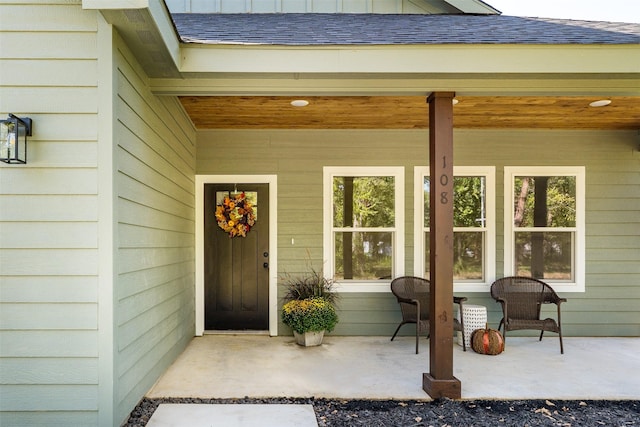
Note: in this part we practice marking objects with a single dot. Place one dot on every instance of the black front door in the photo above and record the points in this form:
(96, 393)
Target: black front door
(236, 269)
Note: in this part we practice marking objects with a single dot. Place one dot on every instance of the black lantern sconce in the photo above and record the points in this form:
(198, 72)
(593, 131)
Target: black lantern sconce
(13, 139)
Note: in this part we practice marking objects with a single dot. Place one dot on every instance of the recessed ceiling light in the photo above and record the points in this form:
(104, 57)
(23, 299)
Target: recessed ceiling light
(300, 103)
(600, 103)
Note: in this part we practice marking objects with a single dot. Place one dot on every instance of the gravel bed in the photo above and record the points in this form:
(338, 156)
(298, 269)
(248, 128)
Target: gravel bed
(438, 413)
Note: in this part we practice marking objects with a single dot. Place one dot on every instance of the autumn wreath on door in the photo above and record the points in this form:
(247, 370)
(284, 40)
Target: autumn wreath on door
(236, 215)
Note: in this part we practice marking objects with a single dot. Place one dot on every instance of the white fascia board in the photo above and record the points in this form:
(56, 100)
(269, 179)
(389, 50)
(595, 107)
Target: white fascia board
(162, 18)
(581, 59)
(115, 4)
(604, 85)
(473, 6)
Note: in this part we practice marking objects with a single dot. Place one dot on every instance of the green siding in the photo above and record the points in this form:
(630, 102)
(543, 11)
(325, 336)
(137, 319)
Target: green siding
(155, 210)
(607, 308)
(48, 218)
(73, 418)
(55, 364)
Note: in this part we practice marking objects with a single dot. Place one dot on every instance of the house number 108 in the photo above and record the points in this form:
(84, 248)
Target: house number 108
(444, 180)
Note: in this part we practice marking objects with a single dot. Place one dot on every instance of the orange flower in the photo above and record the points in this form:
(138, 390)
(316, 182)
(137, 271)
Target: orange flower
(235, 215)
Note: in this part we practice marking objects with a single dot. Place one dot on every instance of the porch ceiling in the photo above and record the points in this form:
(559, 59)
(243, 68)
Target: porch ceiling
(410, 112)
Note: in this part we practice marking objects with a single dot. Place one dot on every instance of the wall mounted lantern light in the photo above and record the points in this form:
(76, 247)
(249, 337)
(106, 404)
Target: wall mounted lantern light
(13, 139)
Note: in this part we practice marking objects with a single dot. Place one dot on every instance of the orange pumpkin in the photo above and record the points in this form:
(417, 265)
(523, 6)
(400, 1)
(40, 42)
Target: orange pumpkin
(487, 341)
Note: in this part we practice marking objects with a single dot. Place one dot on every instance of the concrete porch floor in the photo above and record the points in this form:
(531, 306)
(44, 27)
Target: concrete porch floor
(235, 366)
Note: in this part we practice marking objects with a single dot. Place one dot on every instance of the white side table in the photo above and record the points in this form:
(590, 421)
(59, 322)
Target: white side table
(475, 317)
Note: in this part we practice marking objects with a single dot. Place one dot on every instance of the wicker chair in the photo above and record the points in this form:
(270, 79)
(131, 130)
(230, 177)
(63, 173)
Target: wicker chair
(521, 299)
(413, 295)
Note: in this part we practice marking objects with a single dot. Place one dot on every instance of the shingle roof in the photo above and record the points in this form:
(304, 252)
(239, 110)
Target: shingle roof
(302, 29)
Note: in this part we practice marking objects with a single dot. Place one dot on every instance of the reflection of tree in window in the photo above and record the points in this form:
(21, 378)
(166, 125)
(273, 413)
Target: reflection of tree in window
(544, 203)
(361, 206)
(469, 218)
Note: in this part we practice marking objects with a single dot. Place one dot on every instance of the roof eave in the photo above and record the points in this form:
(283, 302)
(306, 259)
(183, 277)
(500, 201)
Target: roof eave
(147, 28)
(474, 7)
(398, 59)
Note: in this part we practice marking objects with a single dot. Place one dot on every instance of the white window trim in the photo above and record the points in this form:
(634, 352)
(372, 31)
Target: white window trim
(329, 172)
(489, 172)
(579, 256)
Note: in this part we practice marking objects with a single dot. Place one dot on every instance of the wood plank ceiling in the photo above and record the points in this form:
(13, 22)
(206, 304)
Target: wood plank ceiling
(409, 112)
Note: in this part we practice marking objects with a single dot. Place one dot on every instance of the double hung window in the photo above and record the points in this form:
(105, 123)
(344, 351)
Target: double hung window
(544, 225)
(473, 226)
(363, 220)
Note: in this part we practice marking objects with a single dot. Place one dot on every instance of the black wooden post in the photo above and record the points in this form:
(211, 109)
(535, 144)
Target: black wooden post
(440, 382)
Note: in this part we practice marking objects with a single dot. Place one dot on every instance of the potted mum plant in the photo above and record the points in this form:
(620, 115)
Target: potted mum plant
(309, 307)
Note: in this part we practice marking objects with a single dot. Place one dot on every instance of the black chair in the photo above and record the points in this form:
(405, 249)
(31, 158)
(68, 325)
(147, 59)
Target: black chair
(521, 299)
(413, 295)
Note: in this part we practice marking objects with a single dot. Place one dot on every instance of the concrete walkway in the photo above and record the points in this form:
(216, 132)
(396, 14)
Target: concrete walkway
(235, 366)
(201, 415)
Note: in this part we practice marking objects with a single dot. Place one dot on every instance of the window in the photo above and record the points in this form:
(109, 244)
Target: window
(544, 225)
(363, 226)
(473, 228)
